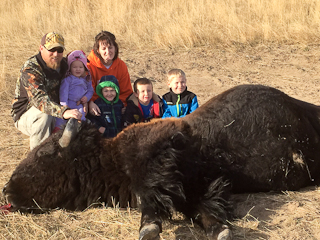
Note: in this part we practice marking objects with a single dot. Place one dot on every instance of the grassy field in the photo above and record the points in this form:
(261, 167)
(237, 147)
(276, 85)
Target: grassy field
(150, 24)
(166, 23)
(219, 44)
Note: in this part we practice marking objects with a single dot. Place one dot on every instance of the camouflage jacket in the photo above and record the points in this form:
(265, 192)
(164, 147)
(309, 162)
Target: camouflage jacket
(38, 86)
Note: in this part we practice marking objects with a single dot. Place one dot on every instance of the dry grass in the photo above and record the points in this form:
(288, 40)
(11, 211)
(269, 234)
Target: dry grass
(163, 23)
(219, 44)
(152, 24)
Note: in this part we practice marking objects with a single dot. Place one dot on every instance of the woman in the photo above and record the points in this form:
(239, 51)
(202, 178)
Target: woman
(103, 60)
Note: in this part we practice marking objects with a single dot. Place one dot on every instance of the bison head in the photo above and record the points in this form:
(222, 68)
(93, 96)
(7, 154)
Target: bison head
(52, 174)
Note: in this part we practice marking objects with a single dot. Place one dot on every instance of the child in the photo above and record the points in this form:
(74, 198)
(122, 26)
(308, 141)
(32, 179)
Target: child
(109, 122)
(76, 88)
(179, 101)
(143, 104)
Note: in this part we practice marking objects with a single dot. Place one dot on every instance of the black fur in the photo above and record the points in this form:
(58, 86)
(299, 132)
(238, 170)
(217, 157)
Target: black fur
(247, 139)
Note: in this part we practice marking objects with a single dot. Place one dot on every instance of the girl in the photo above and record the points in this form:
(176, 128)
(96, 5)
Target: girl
(76, 88)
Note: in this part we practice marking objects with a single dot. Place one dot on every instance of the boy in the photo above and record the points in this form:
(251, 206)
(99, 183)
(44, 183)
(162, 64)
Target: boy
(143, 104)
(179, 101)
(109, 122)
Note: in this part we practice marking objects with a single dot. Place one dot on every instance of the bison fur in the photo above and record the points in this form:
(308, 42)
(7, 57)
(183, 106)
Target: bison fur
(249, 138)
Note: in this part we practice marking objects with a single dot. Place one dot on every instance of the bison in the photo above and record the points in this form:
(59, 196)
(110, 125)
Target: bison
(247, 139)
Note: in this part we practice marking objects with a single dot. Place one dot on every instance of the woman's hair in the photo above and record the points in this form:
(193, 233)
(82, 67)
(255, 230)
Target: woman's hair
(110, 38)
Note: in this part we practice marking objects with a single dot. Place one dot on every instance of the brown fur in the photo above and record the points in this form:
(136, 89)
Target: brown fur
(246, 139)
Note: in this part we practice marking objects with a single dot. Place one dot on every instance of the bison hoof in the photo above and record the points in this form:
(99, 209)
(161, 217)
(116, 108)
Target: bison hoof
(225, 234)
(150, 232)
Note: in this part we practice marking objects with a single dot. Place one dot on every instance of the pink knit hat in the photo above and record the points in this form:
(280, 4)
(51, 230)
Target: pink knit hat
(77, 55)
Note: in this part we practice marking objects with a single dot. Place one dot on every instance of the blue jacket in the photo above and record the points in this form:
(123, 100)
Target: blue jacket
(111, 112)
(179, 105)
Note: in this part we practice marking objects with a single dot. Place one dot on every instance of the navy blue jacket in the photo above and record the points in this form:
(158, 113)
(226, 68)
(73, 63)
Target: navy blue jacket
(111, 112)
(110, 118)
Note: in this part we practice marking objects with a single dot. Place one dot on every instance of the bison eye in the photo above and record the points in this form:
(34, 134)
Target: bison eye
(47, 149)
(179, 141)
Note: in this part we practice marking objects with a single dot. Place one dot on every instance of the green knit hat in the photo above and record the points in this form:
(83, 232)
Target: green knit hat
(108, 81)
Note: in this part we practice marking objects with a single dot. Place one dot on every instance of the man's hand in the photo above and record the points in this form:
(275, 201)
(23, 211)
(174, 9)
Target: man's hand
(72, 113)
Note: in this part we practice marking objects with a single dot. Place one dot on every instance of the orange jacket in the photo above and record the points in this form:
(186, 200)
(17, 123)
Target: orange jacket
(118, 69)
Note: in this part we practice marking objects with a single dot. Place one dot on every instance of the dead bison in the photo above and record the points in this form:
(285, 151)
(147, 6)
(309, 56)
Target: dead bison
(250, 138)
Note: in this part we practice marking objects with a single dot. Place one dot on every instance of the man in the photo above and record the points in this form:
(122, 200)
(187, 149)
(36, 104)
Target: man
(36, 102)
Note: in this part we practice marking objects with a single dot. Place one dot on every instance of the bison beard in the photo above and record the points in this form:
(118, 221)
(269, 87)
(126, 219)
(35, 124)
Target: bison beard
(250, 138)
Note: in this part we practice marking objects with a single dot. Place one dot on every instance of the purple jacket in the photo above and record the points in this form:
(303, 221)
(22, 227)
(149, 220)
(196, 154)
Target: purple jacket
(72, 89)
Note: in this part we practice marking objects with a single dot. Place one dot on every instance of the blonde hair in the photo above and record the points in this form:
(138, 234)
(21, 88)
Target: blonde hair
(175, 73)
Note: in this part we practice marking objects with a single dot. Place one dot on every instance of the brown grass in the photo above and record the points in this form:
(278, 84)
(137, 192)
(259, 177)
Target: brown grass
(219, 44)
(163, 23)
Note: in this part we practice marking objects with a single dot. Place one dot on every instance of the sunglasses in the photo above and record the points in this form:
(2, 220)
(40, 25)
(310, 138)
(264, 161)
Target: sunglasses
(56, 49)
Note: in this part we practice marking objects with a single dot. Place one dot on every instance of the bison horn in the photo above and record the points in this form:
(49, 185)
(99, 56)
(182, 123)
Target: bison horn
(72, 127)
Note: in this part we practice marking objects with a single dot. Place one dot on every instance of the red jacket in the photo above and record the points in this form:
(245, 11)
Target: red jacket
(118, 69)
(134, 112)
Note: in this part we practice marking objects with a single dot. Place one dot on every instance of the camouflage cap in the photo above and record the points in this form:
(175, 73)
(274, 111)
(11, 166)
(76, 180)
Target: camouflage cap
(52, 40)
